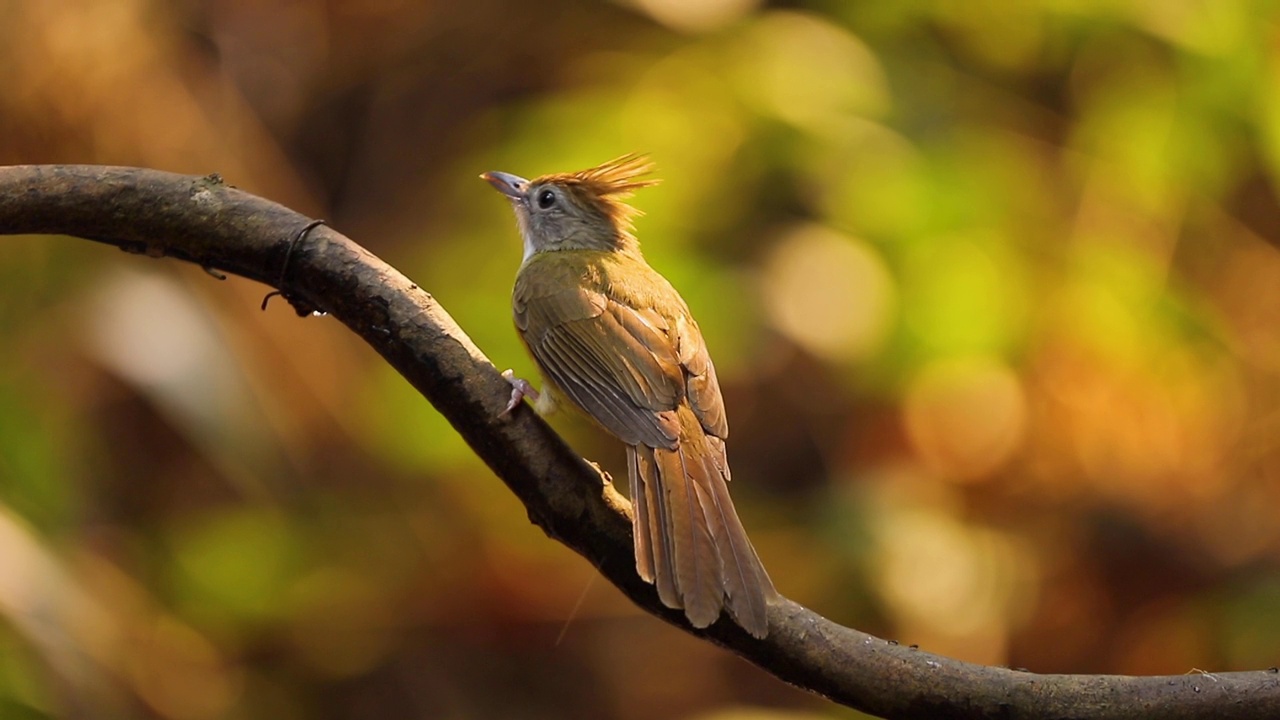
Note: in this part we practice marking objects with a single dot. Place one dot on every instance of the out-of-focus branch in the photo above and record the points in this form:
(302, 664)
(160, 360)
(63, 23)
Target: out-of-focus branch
(204, 221)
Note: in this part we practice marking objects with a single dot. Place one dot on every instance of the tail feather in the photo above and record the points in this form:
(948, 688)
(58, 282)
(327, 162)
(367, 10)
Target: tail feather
(653, 541)
(640, 500)
(697, 560)
(689, 540)
(747, 584)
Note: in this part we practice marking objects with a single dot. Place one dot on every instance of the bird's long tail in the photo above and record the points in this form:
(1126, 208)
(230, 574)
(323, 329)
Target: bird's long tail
(689, 540)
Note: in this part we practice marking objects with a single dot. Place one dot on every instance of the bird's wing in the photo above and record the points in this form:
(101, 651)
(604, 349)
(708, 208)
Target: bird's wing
(619, 364)
(701, 385)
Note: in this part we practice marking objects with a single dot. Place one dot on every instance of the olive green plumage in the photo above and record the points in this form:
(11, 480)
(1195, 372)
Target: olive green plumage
(614, 338)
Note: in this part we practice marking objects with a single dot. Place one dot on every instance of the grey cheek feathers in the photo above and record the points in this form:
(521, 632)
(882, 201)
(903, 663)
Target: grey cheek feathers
(541, 233)
(547, 232)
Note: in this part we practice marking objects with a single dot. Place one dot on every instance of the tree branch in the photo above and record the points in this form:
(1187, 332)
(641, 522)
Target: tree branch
(206, 222)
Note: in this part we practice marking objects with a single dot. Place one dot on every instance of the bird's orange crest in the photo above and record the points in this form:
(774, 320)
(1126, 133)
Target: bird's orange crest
(606, 184)
(619, 176)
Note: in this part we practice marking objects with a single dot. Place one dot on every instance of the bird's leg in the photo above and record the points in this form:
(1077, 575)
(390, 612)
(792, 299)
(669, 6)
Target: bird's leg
(520, 389)
(544, 403)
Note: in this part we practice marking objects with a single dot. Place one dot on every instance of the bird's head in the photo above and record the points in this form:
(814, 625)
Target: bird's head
(582, 210)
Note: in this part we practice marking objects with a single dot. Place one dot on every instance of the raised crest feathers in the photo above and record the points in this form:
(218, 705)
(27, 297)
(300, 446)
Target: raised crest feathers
(619, 176)
(608, 183)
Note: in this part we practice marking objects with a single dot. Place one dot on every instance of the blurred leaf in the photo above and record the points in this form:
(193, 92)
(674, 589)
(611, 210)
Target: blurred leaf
(1250, 629)
(235, 565)
(23, 690)
(34, 467)
(963, 294)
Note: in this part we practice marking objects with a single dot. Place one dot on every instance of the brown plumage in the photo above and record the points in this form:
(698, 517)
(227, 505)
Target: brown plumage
(614, 339)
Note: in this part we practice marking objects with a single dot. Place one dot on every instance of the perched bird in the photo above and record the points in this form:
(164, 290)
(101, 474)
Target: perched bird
(614, 339)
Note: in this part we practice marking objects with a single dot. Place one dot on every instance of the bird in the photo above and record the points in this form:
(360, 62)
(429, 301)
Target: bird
(613, 339)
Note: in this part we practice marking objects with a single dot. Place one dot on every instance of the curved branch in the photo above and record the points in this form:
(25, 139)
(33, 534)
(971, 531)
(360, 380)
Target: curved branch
(204, 221)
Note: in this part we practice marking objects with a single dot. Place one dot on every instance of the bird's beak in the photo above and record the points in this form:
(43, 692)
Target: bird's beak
(510, 185)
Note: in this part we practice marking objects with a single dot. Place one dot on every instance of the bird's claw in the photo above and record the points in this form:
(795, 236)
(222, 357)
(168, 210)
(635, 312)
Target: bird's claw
(520, 389)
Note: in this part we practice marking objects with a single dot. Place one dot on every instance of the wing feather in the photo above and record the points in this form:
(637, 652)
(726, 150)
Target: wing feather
(701, 385)
(607, 359)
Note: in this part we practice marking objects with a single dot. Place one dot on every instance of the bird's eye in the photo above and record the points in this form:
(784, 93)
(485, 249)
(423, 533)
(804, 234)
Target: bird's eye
(546, 199)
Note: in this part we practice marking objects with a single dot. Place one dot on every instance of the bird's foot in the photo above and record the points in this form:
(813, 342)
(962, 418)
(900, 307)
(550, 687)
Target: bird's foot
(520, 389)
(608, 479)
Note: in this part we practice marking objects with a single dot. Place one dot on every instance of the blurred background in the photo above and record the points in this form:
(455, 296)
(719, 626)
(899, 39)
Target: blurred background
(993, 289)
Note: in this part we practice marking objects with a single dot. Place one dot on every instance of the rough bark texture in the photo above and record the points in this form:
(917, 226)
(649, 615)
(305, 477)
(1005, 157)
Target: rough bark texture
(204, 221)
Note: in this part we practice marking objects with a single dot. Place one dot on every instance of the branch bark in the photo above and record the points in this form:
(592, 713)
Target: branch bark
(204, 221)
